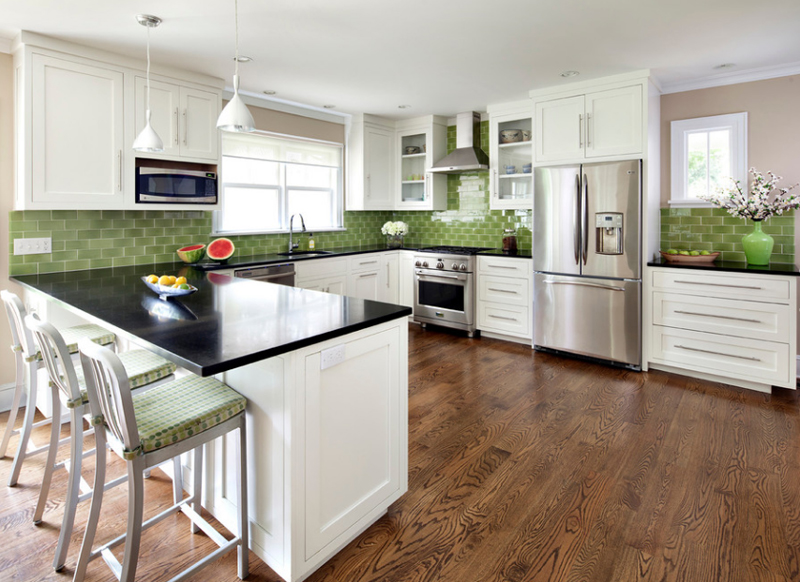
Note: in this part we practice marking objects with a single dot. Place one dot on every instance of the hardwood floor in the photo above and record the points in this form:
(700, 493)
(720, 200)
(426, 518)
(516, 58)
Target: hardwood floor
(526, 466)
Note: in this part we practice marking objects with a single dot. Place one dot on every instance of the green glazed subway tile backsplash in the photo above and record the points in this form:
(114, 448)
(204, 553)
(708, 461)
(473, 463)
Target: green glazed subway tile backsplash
(92, 239)
(713, 229)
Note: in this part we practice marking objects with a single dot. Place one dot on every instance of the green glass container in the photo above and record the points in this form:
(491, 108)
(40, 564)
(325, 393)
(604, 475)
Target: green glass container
(757, 245)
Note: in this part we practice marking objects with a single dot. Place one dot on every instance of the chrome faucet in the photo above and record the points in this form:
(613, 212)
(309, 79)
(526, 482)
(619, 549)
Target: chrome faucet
(293, 246)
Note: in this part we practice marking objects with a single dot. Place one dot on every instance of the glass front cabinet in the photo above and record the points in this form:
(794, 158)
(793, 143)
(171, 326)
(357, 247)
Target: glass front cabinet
(511, 156)
(421, 142)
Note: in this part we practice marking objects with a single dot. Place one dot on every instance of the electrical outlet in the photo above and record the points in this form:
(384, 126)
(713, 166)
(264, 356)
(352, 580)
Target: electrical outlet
(33, 246)
(331, 357)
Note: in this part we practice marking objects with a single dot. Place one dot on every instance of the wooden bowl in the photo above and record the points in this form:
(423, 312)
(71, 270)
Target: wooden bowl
(709, 258)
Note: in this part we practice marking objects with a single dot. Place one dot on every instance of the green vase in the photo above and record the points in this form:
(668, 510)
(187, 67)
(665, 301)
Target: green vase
(757, 245)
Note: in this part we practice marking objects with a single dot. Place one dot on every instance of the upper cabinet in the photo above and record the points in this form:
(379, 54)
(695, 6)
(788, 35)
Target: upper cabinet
(78, 112)
(370, 164)
(511, 156)
(420, 142)
(595, 124)
(183, 117)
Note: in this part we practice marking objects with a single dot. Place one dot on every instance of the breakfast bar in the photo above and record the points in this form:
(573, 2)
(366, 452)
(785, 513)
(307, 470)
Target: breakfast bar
(326, 378)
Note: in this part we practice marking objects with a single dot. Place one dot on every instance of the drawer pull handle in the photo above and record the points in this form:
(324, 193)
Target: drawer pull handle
(720, 316)
(368, 275)
(719, 353)
(593, 285)
(368, 262)
(501, 267)
(719, 285)
(502, 290)
(501, 317)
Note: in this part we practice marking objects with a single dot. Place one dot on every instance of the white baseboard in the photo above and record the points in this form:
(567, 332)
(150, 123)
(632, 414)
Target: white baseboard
(6, 396)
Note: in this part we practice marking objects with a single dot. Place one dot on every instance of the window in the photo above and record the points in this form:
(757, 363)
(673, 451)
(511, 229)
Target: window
(706, 153)
(267, 177)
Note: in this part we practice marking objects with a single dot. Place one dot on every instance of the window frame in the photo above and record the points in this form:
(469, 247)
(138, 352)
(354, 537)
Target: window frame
(680, 130)
(283, 189)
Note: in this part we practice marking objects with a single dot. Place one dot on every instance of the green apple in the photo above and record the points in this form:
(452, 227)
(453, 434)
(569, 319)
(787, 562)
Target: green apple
(694, 253)
(685, 253)
(672, 252)
(704, 253)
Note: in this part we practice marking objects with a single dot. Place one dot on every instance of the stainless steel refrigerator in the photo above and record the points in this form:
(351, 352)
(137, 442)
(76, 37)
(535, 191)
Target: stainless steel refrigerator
(587, 260)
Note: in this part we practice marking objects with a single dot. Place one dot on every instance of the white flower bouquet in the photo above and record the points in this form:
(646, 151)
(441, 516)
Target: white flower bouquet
(756, 205)
(398, 228)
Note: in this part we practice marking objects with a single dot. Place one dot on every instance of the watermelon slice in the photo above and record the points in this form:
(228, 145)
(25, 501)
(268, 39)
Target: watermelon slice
(192, 254)
(220, 249)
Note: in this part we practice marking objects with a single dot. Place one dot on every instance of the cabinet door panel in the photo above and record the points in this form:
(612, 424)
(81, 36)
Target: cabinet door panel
(366, 285)
(164, 112)
(390, 287)
(77, 127)
(559, 129)
(378, 169)
(614, 122)
(199, 135)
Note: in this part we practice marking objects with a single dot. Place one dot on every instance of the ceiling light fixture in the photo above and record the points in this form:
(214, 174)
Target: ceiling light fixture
(148, 140)
(329, 106)
(236, 117)
(269, 92)
(725, 66)
(404, 106)
(568, 74)
(243, 59)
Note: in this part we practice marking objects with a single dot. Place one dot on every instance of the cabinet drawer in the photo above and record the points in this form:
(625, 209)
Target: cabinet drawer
(314, 268)
(749, 319)
(505, 290)
(764, 288)
(365, 262)
(505, 267)
(731, 357)
(508, 319)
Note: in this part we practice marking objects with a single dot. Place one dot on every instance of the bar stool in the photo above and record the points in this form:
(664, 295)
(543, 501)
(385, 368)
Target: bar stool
(27, 355)
(67, 387)
(146, 429)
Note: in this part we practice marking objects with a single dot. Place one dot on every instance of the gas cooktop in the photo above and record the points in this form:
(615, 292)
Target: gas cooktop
(444, 249)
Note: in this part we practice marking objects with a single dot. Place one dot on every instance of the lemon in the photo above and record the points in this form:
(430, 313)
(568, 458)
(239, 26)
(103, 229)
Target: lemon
(152, 279)
(172, 279)
(164, 280)
(180, 280)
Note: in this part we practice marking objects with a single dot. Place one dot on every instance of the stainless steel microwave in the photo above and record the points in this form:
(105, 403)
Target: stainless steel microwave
(173, 186)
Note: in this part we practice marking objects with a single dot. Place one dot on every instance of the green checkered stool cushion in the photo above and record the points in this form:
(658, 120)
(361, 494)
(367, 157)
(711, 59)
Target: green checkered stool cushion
(143, 368)
(176, 411)
(72, 335)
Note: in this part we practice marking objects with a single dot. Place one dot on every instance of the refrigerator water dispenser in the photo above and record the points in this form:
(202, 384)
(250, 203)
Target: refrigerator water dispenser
(608, 228)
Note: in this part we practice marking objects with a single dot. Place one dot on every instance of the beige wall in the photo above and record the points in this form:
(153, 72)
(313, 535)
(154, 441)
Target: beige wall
(279, 122)
(6, 203)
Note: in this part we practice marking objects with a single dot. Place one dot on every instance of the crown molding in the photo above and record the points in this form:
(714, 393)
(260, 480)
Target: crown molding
(733, 78)
(5, 45)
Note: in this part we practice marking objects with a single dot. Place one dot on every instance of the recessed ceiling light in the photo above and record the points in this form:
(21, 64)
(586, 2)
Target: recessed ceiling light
(269, 92)
(404, 106)
(567, 74)
(725, 66)
(243, 59)
(329, 106)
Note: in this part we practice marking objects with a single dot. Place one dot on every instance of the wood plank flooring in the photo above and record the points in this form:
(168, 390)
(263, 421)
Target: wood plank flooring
(525, 467)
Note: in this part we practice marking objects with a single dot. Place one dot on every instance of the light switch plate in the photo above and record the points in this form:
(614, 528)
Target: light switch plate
(33, 246)
(331, 357)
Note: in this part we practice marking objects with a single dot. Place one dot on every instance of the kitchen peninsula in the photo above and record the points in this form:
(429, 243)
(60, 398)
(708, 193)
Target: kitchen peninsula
(326, 378)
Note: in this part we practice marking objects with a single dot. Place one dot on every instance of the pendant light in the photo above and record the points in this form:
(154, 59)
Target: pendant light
(236, 117)
(148, 140)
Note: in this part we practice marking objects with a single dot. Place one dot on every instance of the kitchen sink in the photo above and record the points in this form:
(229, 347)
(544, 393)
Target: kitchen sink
(305, 253)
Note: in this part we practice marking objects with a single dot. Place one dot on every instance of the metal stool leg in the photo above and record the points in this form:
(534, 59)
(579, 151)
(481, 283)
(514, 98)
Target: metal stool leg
(73, 487)
(27, 425)
(12, 415)
(135, 513)
(50, 461)
(241, 500)
(94, 509)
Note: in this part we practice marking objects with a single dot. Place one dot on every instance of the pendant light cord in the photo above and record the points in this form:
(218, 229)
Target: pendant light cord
(236, 36)
(148, 67)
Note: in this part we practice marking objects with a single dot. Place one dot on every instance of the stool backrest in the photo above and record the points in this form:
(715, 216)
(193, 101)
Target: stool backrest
(56, 357)
(109, 392)
(15, 309)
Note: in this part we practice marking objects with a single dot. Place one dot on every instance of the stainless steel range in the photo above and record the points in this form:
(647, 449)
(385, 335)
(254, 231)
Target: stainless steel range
(444, 287)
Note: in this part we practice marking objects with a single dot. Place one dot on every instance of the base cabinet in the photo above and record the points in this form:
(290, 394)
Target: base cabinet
(505, 296)
(328, 447)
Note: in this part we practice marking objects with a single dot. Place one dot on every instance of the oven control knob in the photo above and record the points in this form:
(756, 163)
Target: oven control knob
(440, 265)
(418, 264)
(463, 267)
(425, 264)
(455, 267)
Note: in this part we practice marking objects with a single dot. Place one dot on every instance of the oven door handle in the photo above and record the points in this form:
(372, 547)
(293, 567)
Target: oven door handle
(437, 278)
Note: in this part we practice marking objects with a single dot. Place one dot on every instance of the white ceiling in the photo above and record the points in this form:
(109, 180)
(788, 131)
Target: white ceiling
(439, 56)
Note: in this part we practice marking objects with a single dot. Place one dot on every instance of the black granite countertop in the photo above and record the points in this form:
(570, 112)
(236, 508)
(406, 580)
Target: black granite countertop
(227, 323)
(731, 267)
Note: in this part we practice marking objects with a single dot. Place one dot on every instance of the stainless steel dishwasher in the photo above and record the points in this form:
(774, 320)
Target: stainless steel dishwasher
(282, 274)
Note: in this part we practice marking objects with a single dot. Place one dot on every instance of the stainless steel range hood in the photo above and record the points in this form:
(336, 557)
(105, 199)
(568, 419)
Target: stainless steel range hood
(468, 155)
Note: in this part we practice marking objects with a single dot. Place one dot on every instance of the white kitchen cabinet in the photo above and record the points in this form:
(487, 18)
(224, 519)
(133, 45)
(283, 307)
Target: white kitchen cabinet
(406, 281)
(77, 150)
(737, 328)
(365, 276)
(328, 275)
(183, 117)
(511, 188)
(419, 143)
(370, 158)
(390, 290)
(505, 297)
(596, 124)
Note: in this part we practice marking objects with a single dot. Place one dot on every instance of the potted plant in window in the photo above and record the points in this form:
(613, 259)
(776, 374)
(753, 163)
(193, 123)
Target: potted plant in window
(756, 206)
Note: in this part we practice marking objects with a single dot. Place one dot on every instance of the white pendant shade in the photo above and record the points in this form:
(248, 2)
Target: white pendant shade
(235, 116)
(148, 140)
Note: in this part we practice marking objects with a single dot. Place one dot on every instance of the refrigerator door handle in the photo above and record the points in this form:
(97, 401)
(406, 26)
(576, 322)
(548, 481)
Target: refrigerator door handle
(576, 217)
(585, 229)
(595, 285)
